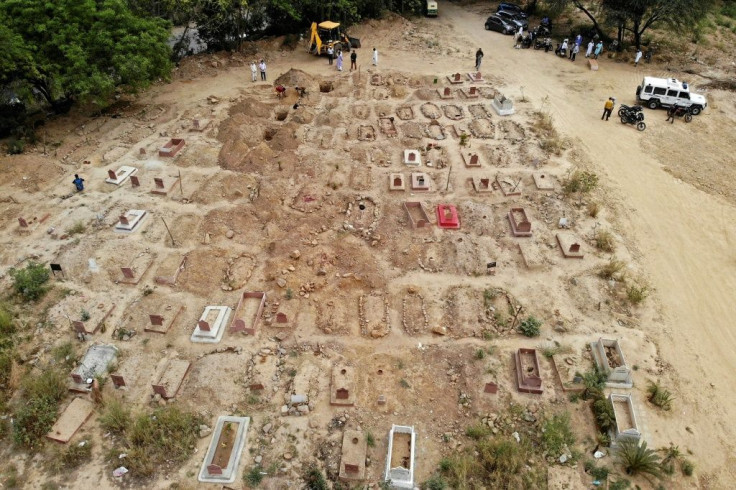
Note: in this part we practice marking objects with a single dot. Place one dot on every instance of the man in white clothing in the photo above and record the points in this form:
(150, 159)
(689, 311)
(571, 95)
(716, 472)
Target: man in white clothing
(637, 58)
(253, 71)
(591, 45)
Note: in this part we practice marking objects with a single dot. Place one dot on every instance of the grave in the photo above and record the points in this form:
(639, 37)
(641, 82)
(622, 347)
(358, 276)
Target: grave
(163, 185)
(455, 79)
(94, 363)
(610, 360)
(396, 182)
(471, 160)
(482, 184)
(491, 388)
(530, 255)
(502, 105)
(418, 217)
(169, 270)
(543, 181)
(136, 269)
(569, 245)
(447, 217)
(528, 375)
(507, 186)
(211, 324)
(435, 130)
(471, 93)
(413, 158)
(352, 459)
(626, 426)
(121, 175)
(376, 79)
(129, 371)
(72, 418)
(520, 224)
(171, 148)
(445, 93)
(366, 133)
(593, 64)
(475, 77)
(342, 385)
(129, 221)
(199, 124)
(98, 313)
(453, 112)
(405, 112)
(171, 379)
(248, 312)
(160, 323)
(26, 226)
(387, 126)
(399, 471)
(568, 369)
(420, 181)
(223, 455)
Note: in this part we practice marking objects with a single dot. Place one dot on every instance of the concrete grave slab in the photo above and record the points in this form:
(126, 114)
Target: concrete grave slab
(593, 64)
(164, 184)
(471, 160)
(502, 105)
(121, 175)
(248, 312)
(508, 186)
(471, 93)
(455, 79)
(352, 459)
(528, 374)
(627, 425)
(412, 158)
(531, 256)
(418, 217)
(94, 363)
(420, 181)
(169, 270)
(570, 246)
(543, 181)
(199, 124)
(475, 77)
(223, 455)
(342, 385)
(161, 323)
(171, 148)
(72, 418)
(171, 379)
(98, 313)
(610, 360)
(136, 269)
(211, 324)
(520, 224)
(445, 93)
(396, 182)
(447, 217)
(568, 368)
(482, 184)
(129, 221)
(399, 472)
(129, 371)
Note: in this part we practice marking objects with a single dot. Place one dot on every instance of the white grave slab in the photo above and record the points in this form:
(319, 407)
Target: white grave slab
(221, 315)
(133, 218)
(416, 160)
(122, 175)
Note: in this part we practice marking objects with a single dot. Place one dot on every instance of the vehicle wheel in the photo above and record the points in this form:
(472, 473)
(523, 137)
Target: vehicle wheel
(641, 126)
(695, 110)
(688, 117)
(653, 104)
(623, 120)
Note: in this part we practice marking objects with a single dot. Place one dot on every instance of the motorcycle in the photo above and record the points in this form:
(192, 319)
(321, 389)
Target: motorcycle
(526, 42)
(633, 117)
(634, 111)
(560, 51)
(545, 44)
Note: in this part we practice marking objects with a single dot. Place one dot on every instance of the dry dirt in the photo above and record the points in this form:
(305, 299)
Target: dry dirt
(275, 179)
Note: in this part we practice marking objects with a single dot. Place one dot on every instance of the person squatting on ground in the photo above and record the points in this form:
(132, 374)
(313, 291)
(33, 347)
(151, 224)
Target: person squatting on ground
(608, 108)
(262, 67)
(478, 59)
(78, 182)
(253, 71)
(353, 61)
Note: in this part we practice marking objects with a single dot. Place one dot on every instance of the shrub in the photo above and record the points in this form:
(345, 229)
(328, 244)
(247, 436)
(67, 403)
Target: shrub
(530, 327)
(253, 477)
(476, 431)
(637, 294)
(16, 146)
(638, 459)
(604, 414)
(71, 457)
(33, 420)
(557, 434)
(659, 396)
(600, 472)
(581, 182)
(315, 480)
(671, 455)
(370, 441)
(116, 417)
(604, 241)
(611, 269)
(435, 483)
(687, 467)
(593, 209)
(76, 229)
(29, 282)
(621, 484)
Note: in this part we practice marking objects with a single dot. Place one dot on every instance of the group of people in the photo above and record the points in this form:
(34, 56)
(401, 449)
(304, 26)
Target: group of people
(255, 68)
(353, 58)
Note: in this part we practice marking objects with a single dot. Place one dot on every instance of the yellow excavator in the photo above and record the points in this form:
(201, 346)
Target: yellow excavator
(328, 34)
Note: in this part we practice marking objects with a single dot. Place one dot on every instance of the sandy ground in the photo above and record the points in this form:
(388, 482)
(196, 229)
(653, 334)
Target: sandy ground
(367, 289)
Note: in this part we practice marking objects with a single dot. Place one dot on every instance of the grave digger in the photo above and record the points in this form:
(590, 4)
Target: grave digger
(328, 34)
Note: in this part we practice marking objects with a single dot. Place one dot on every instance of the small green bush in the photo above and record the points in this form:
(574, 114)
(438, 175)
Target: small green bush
(370, 441)
(659, 396)
(29, 282)
(116, 417)
(604, 241)
(476, 431)
(530, 326)
(253, 477)
(435, 483)
(637, 294)
(580, 182)
(33, 420)
(612, 269)
(557, 434)
(687, 467)
(315, 480)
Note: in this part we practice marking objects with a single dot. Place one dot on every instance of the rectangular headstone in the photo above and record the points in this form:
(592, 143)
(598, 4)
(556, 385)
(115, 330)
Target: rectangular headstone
(23, 223)
(157, 320)
(159, 183)
(134, 180)
(112, 174)
(127, 272)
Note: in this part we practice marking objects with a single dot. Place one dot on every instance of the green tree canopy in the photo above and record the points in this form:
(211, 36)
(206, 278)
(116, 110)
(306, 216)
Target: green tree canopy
(70, 50)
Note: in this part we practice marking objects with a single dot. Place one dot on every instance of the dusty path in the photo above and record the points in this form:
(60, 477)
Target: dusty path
(686, 236)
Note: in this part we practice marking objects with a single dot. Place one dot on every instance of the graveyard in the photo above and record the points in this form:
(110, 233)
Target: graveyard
(355, 280)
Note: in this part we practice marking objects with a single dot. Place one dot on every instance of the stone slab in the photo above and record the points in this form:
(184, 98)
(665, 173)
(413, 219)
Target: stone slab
(121, 175)
(171, 379)
(543, 181)
(135, 217)
(94, 363)
(566, 242)
(352, 459)
(416, 162)
(73, 417)
(342, 385)
(228, 473)
(217, 326)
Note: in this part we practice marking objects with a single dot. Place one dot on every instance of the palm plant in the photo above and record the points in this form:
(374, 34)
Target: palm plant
(638, 459)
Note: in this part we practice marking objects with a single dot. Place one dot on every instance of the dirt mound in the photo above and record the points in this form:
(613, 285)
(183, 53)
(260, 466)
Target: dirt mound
(30, 172)
(298, 78)
(251, 107)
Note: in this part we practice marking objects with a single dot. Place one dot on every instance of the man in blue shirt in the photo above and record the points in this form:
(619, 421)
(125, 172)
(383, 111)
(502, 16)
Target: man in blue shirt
(79, 182)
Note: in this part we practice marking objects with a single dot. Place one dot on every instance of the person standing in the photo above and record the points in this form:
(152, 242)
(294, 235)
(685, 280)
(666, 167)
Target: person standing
(598, 49)
(375, 57)
(563, 48)
(78, 182)
(478, 59)
(637, 58)
(262, 67)
(253, 71)
(574, 52)
(330, 54)
(589, 52)
(671, 112)
(608, 108)
(578, 41)
(353, 61)
(339, 60)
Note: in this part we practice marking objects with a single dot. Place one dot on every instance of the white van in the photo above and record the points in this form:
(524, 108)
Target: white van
(666, 92)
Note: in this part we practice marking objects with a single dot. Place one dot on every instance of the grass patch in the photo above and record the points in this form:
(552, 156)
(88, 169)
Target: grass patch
(315, 480)
(477, 431)
(38, 407)
(687, 467)
(436, 482)
(557, 434)
(604, 241)
(549, 139)
(76, 229)
(593, 209)
(404, 383)
(659, 396)
(580, 182)
(636, 294)
(370, 441)
(530, 326)
(30, 282)
(253, 477)
(70, 457)
(116, 417)
(612, 269)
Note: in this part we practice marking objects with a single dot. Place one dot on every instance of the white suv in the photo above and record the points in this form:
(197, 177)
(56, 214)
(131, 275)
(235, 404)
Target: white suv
(666, 92)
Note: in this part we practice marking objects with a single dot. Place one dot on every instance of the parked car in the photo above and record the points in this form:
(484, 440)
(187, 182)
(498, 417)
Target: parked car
(513, 18)
(666, 92)
(513, 8)
(499, 24)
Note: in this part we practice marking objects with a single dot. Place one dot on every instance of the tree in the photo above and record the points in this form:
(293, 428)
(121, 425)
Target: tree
(69, 50)
(591, 8)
